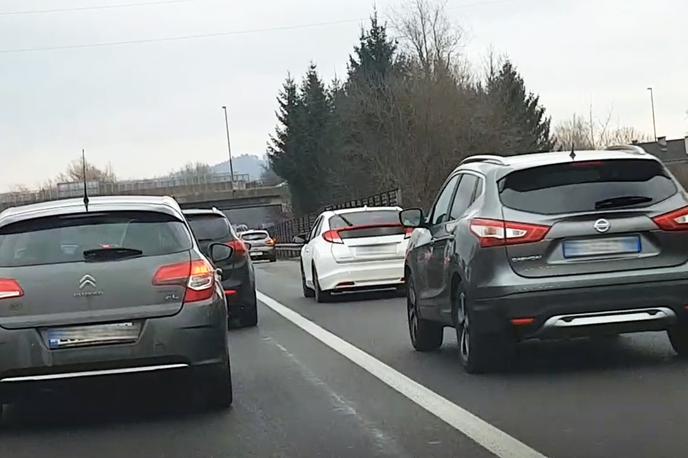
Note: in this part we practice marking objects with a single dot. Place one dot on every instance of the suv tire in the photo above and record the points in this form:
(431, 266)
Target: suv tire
(678, 336)
(425, 335)
(481, 352)
(249, 316)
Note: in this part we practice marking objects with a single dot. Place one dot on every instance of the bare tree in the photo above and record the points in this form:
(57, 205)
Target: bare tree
(589, 135)
(426, 32)
(75, 173)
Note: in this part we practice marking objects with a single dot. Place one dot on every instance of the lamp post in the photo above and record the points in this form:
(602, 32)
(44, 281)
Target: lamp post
(229, 150)
(652, 102)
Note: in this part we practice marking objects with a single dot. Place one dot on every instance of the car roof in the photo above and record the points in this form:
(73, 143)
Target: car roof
(203, 211)
(344, 211)
(159, 204)
(508, 164)
(255, 231)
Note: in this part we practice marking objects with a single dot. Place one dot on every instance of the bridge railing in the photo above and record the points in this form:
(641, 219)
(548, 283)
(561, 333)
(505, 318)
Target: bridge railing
(287, 230)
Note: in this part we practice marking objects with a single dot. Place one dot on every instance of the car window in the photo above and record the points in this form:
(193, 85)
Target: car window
(465, 194)
(210, 227)
(587, 186)
(249, 236)
(364, 218)
(439, 211)
(316, 228)
(64, 239)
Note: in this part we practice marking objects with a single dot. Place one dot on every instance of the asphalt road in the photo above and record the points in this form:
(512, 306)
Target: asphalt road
(295, 396)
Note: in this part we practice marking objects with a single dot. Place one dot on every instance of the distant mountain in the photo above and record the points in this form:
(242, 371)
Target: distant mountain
(248, 164)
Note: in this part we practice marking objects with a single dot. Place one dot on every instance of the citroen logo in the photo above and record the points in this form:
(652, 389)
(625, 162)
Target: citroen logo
(602, 225)
(87, 280)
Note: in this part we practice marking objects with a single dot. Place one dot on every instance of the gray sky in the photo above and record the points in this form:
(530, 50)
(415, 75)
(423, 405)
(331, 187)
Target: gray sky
(149, 108)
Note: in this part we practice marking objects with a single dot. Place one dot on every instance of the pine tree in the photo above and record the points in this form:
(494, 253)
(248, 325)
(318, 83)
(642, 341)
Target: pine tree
(517, 116)
(374, 57)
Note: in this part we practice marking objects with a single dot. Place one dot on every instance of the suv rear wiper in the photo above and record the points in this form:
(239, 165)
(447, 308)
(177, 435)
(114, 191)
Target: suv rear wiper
(623, 201)
(102, 254)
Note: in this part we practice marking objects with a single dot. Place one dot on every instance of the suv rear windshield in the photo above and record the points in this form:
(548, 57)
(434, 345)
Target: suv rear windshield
(365, 218)
(249, 236)
(60, 239)
(586, 186)
(210, 227)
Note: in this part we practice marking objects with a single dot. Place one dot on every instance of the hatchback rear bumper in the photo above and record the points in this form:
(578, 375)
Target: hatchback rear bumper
(193, 339)
(361, 275)
(586, 311)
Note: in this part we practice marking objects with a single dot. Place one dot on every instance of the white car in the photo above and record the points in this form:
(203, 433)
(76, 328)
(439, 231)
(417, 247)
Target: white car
(355, 249)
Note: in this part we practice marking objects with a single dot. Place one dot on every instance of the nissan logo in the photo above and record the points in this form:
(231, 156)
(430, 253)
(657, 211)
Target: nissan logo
(602, 225)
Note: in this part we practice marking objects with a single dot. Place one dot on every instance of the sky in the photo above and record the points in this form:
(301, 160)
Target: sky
(150, 107)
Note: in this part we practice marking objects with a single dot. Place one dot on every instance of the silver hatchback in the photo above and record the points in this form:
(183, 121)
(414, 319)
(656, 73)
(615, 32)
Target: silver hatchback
(112, 289)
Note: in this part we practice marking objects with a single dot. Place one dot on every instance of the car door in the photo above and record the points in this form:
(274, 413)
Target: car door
(455, 227)
(307, 251)
(425, 254)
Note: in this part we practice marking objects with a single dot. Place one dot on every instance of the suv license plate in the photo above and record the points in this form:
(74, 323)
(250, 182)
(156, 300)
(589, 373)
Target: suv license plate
(601, 247)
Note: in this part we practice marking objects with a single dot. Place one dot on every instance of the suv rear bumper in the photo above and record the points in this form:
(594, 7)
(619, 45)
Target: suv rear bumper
(584, 311)
(193, 340)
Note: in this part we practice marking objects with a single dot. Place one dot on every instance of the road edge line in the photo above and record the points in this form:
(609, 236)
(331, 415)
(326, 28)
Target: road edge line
(483, 433)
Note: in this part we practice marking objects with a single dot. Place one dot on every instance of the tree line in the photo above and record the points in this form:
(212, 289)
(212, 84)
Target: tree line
(408, 110)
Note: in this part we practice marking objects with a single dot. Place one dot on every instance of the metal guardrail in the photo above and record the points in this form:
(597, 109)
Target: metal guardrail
(288, 250)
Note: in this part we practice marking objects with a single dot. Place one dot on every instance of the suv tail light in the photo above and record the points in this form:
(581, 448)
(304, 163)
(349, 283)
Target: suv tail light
(493, 232)
(198, 277)
(270, 242)
(676, 220)
(239, 247)
(10, 288)
(332, 237)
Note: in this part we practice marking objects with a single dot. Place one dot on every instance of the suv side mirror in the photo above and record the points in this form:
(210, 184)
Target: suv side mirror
(413, 217)
(220, 252)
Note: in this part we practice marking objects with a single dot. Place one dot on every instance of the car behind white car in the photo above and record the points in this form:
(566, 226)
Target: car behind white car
(355, 249)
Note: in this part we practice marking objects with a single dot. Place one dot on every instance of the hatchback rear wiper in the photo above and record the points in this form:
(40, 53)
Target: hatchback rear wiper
(622, 201)
(346, 221)
(102, 254)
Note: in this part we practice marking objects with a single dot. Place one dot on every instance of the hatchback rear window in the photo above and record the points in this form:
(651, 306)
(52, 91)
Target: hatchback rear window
(587, 186)
(91, 237)
(249, 236)
(210, 227)
(365, 218)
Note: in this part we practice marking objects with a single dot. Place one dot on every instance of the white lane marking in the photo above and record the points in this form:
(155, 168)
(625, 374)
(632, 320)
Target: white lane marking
(488, 436)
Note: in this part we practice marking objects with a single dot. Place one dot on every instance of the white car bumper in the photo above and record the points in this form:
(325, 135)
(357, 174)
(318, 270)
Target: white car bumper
(354, 275)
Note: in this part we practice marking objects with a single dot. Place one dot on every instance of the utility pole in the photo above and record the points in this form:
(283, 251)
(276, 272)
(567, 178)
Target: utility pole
(652, 101)
(229, 150)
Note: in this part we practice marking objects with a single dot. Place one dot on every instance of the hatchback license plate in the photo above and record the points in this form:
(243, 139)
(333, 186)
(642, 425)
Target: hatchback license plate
(102, 334)
(601, 247)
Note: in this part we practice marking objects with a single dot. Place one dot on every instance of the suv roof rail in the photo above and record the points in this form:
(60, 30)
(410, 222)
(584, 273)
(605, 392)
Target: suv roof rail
(489, 158)
(634, 149)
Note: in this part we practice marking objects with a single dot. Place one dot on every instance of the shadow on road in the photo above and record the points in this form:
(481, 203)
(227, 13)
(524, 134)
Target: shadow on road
(102, 406)
(618, 353)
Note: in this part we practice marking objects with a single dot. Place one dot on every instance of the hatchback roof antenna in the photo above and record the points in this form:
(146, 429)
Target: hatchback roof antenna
(83, 171)
(573, 151)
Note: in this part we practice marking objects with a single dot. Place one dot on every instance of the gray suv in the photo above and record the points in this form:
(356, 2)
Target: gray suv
(549, 245)
(115, 288)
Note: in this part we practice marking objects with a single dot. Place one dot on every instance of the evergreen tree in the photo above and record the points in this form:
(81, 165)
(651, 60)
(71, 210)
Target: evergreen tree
(374, 57)
(517, 116)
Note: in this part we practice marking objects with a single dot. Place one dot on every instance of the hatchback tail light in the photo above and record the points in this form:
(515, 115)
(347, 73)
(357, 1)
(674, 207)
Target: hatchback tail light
(10, 288)
(676, 220)
(239, 247)
(332, 237)
(270, 242)
(197, 276)
(492, 232)
(407, 232)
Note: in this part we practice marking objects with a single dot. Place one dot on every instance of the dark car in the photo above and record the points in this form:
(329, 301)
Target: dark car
(546, 246)
(117, 288)
(262, 246)
(238, 279)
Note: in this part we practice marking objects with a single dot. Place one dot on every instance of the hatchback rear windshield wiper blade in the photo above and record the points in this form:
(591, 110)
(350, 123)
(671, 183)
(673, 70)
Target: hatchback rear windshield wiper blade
(99, 254)
(622, 201)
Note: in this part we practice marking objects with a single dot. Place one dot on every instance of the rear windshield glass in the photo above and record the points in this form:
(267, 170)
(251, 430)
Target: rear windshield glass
(248, 236)
(587, 186)
(364, 218)
(61, 239)
(209, 227)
